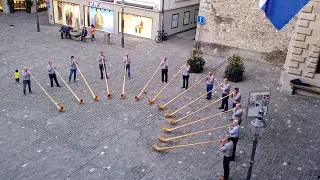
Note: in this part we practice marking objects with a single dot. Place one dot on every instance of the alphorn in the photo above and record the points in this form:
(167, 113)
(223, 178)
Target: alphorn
(138, 97)
(105, 71)
(171, 114)
(172, 121)
(158, 149)
(81, 101)
(162, 139)
(124, 82)
(93, 95)
(161, 107)
(167, 130)
(150, 101)
(60, 108)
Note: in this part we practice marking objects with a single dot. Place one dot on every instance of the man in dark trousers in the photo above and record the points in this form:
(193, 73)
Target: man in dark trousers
(225, 87)
(102, 62)
(164, 67)
(52, 74)
(227, 150)
(26, 80)
(236, 95)
(73, 69)
(234, 134)
(185, 75)
(209, 81)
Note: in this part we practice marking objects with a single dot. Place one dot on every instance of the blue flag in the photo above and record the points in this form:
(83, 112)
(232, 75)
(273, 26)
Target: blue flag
(280, 12)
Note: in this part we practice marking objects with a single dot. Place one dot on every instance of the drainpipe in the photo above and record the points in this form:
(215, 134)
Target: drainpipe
(162, 16)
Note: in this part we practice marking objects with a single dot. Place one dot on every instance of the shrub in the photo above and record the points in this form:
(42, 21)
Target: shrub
(235, 69)
(196, 61)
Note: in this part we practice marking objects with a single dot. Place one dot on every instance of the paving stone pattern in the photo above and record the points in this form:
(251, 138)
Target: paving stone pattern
(112, 139)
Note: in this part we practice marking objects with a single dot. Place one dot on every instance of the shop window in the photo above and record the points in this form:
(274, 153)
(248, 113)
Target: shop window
(136, 25)
(66, 13)
(1, 5)
(101, 18)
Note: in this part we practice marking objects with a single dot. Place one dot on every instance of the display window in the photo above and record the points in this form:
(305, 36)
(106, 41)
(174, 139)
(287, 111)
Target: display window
(102, 19)
(21, 4)
(1, 8)
(66, 13)
(136, 25)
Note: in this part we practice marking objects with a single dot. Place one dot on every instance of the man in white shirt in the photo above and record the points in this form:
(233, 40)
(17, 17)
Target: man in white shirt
(227, 150)
(102, 63)
(185, 75)
(209, 81)
(225, 87)
(164, 68)
(127, 62)
(236, 95)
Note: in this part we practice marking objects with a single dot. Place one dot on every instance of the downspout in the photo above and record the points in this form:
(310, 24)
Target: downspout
(162, 16)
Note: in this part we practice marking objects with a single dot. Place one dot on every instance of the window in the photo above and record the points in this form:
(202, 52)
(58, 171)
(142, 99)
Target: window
(186, 18)
(174, 21)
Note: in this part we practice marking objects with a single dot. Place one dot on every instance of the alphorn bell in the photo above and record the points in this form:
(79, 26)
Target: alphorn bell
(161, 107)
(93, 95)
(150, 101)
(105, 71)
(168, 115)
(162, 139)
(167, 130)
(60, 108)
(172, 121)
(124, 82)
(81, 101)
(138, 97)
(158, 149)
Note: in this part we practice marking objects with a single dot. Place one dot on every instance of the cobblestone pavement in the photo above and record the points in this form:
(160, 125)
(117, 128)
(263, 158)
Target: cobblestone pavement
(112, 139)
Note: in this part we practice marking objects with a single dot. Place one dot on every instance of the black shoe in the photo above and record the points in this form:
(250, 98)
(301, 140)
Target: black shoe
(24, 93)
(221, 107)
(30, 91)
(58, 86)
(232, 159)
(206, 98)
(101, 78)
(224, 110)
(74, 81)
(183, 87)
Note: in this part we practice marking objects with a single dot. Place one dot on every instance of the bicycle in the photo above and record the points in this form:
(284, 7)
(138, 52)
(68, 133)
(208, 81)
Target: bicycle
(162, 36)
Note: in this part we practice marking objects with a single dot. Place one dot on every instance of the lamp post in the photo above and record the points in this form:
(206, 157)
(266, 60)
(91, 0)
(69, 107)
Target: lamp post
(38, 25)
(122, 23)
(258, 126)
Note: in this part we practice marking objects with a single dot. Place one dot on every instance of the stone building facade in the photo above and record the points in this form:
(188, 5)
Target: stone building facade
(240, 26)
(303, 54)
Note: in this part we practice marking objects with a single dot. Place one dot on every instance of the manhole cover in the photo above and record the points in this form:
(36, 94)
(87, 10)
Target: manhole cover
(11, 25)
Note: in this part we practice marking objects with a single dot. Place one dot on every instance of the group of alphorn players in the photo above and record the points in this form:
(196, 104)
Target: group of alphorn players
(228, 143)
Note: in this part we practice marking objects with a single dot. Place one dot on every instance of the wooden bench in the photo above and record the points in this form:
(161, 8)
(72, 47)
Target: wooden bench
(312, 91)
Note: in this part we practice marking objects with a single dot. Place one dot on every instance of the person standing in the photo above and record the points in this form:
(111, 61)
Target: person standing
(225, 87)
(26, 80)
(236, 95)
(164, 68)
(234, 134)
(127, 62)
(237, 113)
(227, 150)
(102, 63)
(73, 69)
(16, 75)
(93, 32)
(185, 75)
(52, 74)
(209, 81)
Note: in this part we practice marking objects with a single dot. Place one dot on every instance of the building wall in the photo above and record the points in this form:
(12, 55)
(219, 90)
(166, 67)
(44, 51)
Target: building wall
(240, 24)
(174, 4)
(303, 54)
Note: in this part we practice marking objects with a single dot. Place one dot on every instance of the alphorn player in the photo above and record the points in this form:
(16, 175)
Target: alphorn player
(127, 62)
(227, 150)
(209, 81)
(237, 113)
(26, 80)
(52, 74)
(164, 68)
(236, 95)
(234, 134)
(185, 75)
(102, 62)
(225, 87)
(73, 69)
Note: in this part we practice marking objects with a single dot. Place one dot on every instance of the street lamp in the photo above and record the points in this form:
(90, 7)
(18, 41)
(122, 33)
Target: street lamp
(258, 126)
(122, 23)
(38, 25)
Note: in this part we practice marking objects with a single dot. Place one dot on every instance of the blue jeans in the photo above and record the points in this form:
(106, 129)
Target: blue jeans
(209, 88)
(75, 74)
(92, 37)
(128, 69)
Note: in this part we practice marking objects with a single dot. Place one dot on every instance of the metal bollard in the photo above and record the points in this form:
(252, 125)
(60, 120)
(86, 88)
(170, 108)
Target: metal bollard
(107, 38)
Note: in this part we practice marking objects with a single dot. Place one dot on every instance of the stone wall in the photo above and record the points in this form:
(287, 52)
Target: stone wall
(303, 54)
(241, 24)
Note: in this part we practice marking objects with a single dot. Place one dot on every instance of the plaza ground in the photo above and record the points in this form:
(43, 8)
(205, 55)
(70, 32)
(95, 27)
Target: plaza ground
(112, 139)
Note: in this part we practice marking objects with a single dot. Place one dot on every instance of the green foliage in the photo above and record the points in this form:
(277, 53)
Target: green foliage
(196, 61)
(235, 69)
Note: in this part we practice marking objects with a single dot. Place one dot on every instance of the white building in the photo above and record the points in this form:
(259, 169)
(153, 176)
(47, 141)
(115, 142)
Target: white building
(141, 17)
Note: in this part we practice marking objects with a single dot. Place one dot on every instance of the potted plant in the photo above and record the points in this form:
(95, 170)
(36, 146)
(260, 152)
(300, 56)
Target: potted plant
(29, 4)
(234, 71)
(11, 6)
(196, 61)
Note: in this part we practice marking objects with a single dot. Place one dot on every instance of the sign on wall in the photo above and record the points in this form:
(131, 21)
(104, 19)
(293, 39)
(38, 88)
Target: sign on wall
(258, 100)
(200, 19)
